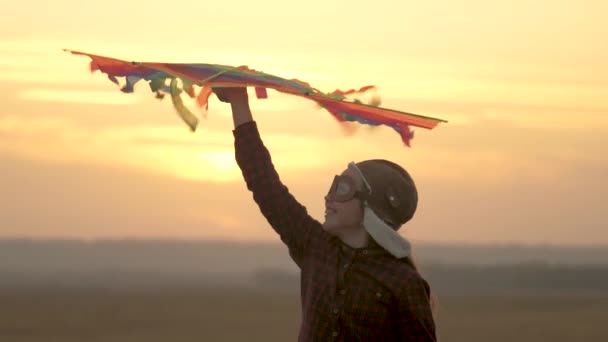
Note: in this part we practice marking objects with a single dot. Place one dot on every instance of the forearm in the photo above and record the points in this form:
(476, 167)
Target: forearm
(241, 113)
(284, 213)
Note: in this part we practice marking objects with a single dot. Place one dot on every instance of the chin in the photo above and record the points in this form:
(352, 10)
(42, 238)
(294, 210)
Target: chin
(330, 227)
(327, 225)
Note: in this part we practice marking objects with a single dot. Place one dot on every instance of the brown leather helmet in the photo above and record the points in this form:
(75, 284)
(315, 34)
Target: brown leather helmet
(394, 197)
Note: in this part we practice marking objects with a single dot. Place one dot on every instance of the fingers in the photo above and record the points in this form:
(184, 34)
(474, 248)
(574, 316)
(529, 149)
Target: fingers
(231, 94)
(221, 94)
(222, 97)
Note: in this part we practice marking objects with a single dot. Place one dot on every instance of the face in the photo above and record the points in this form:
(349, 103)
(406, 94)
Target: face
(343, 212)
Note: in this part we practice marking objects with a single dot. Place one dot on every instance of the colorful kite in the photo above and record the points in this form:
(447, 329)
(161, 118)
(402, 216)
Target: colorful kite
(164, 78)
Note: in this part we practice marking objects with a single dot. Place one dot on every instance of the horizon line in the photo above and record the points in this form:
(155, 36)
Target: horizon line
(428, 243)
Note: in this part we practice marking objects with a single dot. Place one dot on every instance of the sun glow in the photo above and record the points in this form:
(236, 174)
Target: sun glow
(215, 166)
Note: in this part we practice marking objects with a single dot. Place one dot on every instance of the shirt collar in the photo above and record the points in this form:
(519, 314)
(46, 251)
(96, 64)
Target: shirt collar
(372, 249)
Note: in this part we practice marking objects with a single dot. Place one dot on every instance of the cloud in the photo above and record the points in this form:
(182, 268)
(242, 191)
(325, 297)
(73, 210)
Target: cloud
(580, 117)
(485, 150)
(442, 88)
(89, 201)
(159, 149)
(93, 201)
(78, 96)
(43, 61)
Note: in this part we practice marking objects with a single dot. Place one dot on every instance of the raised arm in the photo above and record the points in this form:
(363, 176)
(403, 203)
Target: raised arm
(286, 215)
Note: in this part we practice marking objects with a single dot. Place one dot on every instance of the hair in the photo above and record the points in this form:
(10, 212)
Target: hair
(408, 212)
(434, 301)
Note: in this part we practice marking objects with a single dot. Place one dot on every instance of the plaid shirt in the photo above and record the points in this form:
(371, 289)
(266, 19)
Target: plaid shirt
(347, 294)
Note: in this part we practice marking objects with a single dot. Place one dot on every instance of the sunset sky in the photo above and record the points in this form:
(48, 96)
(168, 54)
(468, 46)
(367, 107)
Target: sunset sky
(523, 84)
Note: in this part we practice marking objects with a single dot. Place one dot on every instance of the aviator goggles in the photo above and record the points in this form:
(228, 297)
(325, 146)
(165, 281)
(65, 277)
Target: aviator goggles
(344, 188)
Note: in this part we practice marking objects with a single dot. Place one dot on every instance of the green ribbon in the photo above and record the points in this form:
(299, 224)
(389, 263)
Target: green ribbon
(182, 111)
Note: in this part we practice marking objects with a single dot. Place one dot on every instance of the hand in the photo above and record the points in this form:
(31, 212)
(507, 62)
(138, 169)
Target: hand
(232, 95)
(239, 101)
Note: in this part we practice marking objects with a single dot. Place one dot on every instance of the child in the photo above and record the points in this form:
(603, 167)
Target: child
(358, 281)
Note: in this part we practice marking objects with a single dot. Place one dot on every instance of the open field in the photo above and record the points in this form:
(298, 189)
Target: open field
(127, 291)
(68, 315)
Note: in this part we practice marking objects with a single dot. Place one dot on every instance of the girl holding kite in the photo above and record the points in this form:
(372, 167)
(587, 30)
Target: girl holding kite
(358, 281)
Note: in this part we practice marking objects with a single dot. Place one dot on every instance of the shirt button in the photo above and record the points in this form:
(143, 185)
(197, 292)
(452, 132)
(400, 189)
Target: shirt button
(334, 334)
(378, 294)
(342, 292)
(336, 311)
(365, 251)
